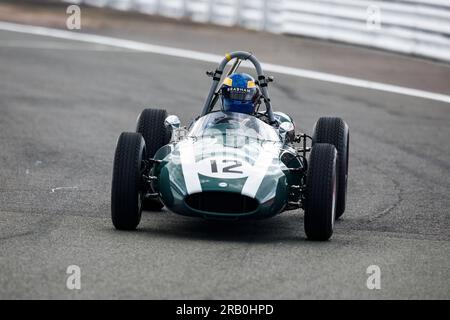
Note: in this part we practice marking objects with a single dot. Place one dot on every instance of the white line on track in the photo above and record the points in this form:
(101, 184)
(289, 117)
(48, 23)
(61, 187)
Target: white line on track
(58, 45)
(52, 190)
(207, 57)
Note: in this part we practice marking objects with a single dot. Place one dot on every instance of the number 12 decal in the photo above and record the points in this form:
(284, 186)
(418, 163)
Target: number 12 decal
(227, 169)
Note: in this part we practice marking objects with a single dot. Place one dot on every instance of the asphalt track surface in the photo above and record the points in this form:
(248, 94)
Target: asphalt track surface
(64, 103)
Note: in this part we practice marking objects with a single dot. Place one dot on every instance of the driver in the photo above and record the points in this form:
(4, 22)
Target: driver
(240, 94)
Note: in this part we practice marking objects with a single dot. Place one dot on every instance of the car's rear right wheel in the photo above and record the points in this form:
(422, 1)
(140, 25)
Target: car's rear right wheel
(321, 192)
(150, 125)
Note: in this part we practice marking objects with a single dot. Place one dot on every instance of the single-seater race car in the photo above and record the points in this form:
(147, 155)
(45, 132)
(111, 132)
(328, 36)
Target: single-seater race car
(233, 162)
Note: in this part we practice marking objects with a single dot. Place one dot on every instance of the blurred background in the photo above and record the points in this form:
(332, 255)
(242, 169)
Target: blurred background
(416, 27)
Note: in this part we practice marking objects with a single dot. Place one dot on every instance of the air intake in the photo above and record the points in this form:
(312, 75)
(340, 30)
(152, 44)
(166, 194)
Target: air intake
(221, 202)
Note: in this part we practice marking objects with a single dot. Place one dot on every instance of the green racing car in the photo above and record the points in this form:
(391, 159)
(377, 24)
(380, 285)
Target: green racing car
(233, 162)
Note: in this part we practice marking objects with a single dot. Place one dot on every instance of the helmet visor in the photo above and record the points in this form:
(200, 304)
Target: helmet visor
(239, 94)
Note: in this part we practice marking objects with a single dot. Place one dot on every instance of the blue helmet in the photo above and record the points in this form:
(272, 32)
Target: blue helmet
(239, 93)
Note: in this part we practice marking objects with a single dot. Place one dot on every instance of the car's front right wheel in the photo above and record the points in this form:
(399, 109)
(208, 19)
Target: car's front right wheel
(126, 193)
(321, 192)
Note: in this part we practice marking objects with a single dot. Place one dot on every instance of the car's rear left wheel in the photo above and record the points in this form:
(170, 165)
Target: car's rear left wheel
(126, 190)
(335, 131)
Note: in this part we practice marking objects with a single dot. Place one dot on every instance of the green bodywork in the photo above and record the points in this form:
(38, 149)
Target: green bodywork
(251, 167)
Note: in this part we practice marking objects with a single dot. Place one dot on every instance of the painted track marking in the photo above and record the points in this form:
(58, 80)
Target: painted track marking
(208, 57)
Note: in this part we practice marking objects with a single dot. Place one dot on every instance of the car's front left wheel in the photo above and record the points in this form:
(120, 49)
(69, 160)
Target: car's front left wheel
(321, 192)
(126, 190)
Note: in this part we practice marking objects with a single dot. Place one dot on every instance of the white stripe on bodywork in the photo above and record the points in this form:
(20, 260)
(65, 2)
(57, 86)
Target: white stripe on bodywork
(188, 166)
(259, 171)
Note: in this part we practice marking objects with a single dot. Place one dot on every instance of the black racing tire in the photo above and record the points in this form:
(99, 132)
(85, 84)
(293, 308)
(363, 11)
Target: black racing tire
(335, 131)
(150, 125)
(126, 193)
(321, 192)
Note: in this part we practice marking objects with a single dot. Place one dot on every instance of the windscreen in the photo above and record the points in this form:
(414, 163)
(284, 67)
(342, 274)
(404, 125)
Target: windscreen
(233, 124)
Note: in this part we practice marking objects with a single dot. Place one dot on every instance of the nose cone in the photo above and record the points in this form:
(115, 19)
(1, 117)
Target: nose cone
(272, 193)
(226, 174)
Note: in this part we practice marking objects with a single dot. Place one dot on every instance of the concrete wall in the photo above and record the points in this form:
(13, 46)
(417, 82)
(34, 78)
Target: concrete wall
(416, 27)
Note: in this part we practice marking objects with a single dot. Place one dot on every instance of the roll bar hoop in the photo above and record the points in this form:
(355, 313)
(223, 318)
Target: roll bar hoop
(217, 75)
